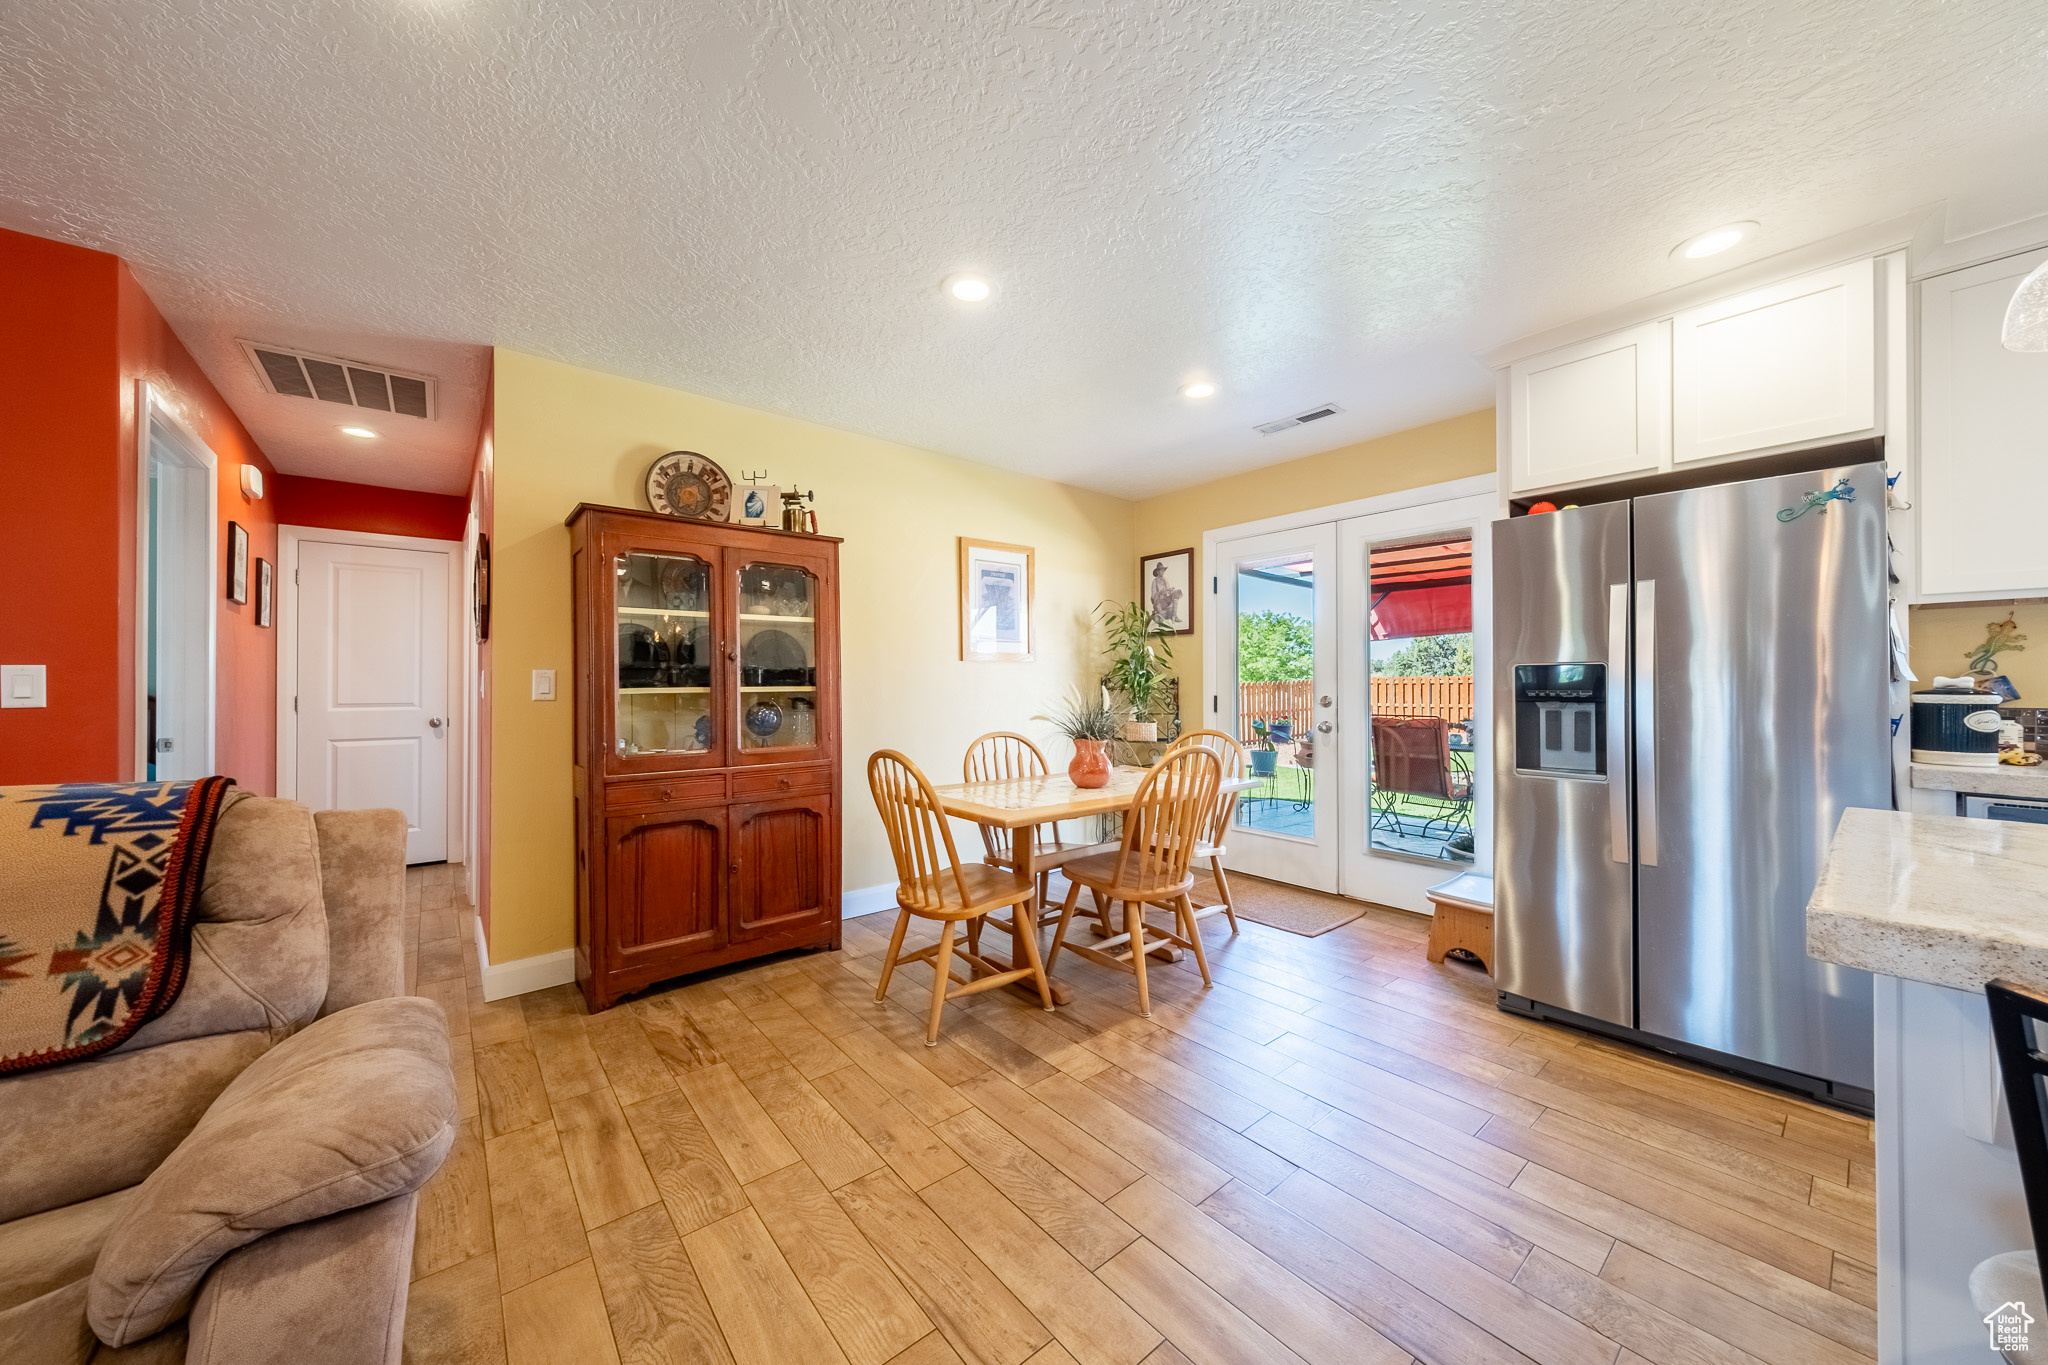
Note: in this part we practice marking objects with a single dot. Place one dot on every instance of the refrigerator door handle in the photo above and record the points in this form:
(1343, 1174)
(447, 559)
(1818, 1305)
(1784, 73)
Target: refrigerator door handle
(1617, 722)
(1646, 721)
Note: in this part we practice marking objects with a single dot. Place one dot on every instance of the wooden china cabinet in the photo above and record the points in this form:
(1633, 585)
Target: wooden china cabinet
(707, 745)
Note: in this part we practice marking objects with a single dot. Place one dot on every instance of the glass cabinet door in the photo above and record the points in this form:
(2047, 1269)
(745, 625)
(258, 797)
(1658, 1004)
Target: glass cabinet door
(778, 657)
(662, 617)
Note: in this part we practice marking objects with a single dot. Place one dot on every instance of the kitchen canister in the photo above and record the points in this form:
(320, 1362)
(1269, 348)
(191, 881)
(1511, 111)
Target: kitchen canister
(1956, 727)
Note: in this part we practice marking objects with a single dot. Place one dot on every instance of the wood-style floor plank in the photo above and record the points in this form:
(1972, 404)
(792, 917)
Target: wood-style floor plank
(868, 1310)
(763, 1311)
(1338, 1152)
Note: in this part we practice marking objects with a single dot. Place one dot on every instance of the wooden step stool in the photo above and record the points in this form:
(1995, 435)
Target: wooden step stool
(1463, 918)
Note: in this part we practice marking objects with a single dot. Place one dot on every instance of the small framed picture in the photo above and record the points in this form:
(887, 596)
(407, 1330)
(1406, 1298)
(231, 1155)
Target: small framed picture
(1166, 585)
(995, 602)
(757, 504)
(238, 562)
(263, 588)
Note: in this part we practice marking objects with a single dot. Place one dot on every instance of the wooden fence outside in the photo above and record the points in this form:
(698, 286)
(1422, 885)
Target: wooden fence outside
(1451, 698)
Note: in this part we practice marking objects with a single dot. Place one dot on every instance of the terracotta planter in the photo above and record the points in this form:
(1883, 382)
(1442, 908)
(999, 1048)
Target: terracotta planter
(1090, 767)
(1142, 731)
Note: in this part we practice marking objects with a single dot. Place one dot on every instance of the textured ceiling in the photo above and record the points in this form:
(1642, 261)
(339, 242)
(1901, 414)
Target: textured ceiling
(1304, 201)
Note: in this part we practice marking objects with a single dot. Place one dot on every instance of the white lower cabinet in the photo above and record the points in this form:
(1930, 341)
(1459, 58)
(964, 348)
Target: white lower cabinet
(1792, 363)
(1983, 477)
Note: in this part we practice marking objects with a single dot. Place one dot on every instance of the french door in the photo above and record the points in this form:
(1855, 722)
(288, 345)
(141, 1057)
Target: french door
(1345, 654)
(1275, 627)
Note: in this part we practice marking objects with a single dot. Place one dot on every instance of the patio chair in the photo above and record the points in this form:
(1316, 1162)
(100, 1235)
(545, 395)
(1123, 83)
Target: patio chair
(1411, 760)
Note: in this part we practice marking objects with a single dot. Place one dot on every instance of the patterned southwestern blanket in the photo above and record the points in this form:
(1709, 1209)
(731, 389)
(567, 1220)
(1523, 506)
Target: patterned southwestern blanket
(99, 884)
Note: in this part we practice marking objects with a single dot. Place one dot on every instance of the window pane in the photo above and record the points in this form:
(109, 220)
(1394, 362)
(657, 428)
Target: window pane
(1276, 704)
(1424, 745)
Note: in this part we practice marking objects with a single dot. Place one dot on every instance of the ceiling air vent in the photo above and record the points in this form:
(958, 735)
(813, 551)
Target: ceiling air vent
(297, 374)
(1315, 414)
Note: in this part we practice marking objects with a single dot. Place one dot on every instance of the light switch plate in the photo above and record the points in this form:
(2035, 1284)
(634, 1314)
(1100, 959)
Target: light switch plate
(543, 684)
(24, 685)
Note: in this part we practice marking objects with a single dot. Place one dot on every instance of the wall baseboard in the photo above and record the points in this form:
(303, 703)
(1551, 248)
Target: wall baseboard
(867, 900)
(502, 979)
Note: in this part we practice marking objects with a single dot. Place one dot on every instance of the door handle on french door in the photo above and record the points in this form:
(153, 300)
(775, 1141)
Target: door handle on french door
(1325, 727)
(1645, 709)
(1617, 722)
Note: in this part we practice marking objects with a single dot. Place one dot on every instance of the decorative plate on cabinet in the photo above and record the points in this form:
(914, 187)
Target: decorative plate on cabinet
(685, 484)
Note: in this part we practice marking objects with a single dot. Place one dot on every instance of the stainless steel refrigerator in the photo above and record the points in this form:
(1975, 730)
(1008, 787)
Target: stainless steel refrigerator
(1689, 689)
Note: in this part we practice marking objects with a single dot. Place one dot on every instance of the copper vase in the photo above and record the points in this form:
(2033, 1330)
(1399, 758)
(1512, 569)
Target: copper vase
(1090, 767)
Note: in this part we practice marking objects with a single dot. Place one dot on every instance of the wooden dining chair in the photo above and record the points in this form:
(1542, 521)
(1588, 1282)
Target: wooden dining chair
(1004, 756)
(942, 888)
(1174, 806)
(1230, 754)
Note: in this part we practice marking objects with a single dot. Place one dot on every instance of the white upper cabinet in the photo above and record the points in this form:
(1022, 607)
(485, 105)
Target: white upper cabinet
(1595, 410)
(1791, 364)
(1983, 438)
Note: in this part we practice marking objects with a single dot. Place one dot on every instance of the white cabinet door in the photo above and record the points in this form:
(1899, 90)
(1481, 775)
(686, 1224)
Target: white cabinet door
(1983, 438)
(1595, 410)
(1795, 362)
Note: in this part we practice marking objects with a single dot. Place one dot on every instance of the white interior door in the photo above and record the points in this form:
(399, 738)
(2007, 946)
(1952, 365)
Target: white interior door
(1414, 592)
(1274, 625)
(177, 587)
(373, 705)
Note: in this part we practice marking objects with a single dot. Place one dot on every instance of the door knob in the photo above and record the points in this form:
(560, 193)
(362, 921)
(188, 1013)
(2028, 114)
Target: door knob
(1322, 701)
(435, 722)
(1325, 728)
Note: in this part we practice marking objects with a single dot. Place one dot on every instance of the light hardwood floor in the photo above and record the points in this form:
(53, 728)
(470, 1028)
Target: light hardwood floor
(1339, 1154)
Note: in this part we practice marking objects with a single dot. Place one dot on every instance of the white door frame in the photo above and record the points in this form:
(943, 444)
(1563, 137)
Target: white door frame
(1215, 658)
(155, 418)
(1313, 861)
(1364, 872)
(289, 539)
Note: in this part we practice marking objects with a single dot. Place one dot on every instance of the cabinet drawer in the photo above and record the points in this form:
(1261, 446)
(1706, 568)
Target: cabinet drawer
(781, 781)
(654, 793)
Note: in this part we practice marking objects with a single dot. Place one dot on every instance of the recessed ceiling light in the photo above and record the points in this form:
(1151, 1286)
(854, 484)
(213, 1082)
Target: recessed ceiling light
(1201, 388)
(969, 288)
(360, 433)
(1713, 242)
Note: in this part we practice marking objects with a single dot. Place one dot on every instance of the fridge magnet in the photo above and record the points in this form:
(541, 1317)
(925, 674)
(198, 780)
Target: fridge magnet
(238, 563)
(1166, 586)
(995, 602)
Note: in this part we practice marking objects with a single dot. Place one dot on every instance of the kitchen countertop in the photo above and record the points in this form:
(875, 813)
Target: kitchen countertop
(1934, 898)
(2031, 783)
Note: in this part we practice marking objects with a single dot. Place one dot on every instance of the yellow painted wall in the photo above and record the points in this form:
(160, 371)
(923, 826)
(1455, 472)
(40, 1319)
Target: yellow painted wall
(566, 435)
(1943, 636)
(1456, 448)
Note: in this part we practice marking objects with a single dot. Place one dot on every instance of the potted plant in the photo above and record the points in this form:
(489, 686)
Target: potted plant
(1265, 758)
(1138, 654)
(1091, 725)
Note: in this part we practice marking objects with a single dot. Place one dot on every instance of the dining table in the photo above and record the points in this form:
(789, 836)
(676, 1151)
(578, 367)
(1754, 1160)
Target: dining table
(1024, 803)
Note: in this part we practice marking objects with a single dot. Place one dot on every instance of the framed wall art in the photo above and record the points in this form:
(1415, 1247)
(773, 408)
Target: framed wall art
(757, 504)
(995, 602)
(263, 592)
(238, 562)
(1166, 585)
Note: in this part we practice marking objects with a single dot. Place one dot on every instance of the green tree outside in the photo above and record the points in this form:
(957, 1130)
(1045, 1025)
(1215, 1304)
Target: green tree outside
(1275, 646)
(1429, 656)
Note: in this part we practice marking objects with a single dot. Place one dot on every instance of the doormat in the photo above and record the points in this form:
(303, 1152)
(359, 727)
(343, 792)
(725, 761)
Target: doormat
(1280, 906)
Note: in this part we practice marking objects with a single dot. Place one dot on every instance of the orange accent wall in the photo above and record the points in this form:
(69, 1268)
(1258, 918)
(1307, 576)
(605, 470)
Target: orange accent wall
(81, 332)
(245, 657)
(338, 506)
(60, 517)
